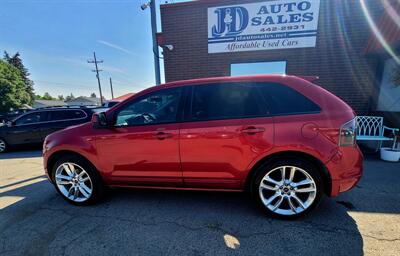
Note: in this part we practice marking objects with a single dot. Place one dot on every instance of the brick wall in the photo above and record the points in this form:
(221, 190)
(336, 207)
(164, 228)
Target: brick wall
(338, 58)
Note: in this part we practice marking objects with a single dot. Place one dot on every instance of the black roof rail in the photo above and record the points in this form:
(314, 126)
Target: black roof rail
(66, 107)
(49, 107)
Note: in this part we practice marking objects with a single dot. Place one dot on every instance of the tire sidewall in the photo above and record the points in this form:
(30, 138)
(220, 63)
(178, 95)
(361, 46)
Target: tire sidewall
(300, 163)
(6, 145)
(97, 183)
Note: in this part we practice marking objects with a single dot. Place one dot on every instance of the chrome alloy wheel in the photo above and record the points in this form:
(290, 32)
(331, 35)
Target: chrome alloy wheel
(287, 190)
(73, 182)
(2, 146)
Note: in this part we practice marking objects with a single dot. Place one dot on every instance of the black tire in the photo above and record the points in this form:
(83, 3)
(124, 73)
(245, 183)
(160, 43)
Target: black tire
(268, 167)
(3, 142)
(98, 187)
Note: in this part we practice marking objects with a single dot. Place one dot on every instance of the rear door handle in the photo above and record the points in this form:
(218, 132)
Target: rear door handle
(163, 135)
(253, 130)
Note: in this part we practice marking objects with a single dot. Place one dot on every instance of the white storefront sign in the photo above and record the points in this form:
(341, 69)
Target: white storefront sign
(267, 25)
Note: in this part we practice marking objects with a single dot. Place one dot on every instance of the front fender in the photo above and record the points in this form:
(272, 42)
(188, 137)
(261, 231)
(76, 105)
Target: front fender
(66, 141)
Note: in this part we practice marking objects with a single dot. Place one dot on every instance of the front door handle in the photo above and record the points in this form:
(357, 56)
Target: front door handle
(163, 135)
(252, 130)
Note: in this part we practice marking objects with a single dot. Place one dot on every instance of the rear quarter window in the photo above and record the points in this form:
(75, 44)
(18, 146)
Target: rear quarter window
(283, 100)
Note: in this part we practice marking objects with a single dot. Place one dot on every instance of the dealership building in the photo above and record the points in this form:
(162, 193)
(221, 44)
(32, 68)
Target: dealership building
(351, 45)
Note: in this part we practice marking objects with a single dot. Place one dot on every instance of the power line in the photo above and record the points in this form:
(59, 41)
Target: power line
(60, 83)
(95, 61)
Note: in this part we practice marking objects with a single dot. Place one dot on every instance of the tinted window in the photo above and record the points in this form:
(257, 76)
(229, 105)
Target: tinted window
(59, 115)
(284, 100)
(225, 101)
(154, 108)
(29, 118)
(112, 104)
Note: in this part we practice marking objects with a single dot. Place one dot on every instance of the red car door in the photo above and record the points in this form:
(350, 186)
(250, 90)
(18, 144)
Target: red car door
(225, 130)
(142, 148)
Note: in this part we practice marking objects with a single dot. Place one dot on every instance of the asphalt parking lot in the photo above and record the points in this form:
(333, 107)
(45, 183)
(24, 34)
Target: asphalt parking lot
(34, 220)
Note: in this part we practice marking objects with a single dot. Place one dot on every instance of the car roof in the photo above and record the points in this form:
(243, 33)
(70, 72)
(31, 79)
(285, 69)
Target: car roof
(214, 80)
(302, 84)
(63, 108)
(225, 79)
(278, 78)
(52, 109)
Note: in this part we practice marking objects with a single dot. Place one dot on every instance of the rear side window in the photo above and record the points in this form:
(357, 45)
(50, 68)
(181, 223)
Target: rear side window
(59, 115)
(225, 101)
(283, 100)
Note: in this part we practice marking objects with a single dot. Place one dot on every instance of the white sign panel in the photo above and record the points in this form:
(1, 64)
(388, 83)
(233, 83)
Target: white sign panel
(268, 25)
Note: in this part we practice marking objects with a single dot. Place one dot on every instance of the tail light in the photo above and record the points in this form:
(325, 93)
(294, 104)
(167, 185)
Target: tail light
(348, 133)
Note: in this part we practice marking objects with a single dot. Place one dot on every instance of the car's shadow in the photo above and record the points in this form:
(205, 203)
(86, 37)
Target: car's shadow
(164, 222)
(16, 154)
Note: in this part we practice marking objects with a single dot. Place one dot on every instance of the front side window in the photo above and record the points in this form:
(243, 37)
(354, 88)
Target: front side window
(154, 108)
(29, 119)
(225, 101)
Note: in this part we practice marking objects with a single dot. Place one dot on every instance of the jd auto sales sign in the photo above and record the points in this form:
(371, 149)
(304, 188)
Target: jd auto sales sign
(267, 25)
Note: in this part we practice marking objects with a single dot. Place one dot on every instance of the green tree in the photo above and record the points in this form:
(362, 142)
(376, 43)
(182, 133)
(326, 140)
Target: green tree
(93, 95)
(16, 61)
(61, 97)
(12, 88)
(47, 96)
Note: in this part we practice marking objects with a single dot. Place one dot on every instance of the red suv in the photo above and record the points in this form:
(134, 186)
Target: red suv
(284, 139)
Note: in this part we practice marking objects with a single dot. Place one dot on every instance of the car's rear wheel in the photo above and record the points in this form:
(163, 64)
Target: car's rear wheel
(287, 188)
(3, 145)
(77, 181)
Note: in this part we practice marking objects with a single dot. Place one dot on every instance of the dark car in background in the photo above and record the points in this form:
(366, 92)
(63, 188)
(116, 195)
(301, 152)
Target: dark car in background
(32, 127)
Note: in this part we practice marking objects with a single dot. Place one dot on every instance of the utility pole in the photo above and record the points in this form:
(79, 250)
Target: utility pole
(155, 45)
(112, 91)
(95, 61)
(152, 5)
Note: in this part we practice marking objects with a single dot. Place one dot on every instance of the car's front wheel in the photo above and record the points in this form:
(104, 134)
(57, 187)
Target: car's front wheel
(287, 188)
(77, 181)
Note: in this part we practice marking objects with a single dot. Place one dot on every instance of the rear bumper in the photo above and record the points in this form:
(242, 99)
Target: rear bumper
(346, 169)
(339, 186)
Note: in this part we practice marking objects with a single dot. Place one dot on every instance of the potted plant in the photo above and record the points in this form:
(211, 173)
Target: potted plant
(391, 154)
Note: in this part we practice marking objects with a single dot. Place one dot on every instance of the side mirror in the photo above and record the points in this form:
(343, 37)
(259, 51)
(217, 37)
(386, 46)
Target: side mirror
(99, 120)
(9, 123)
